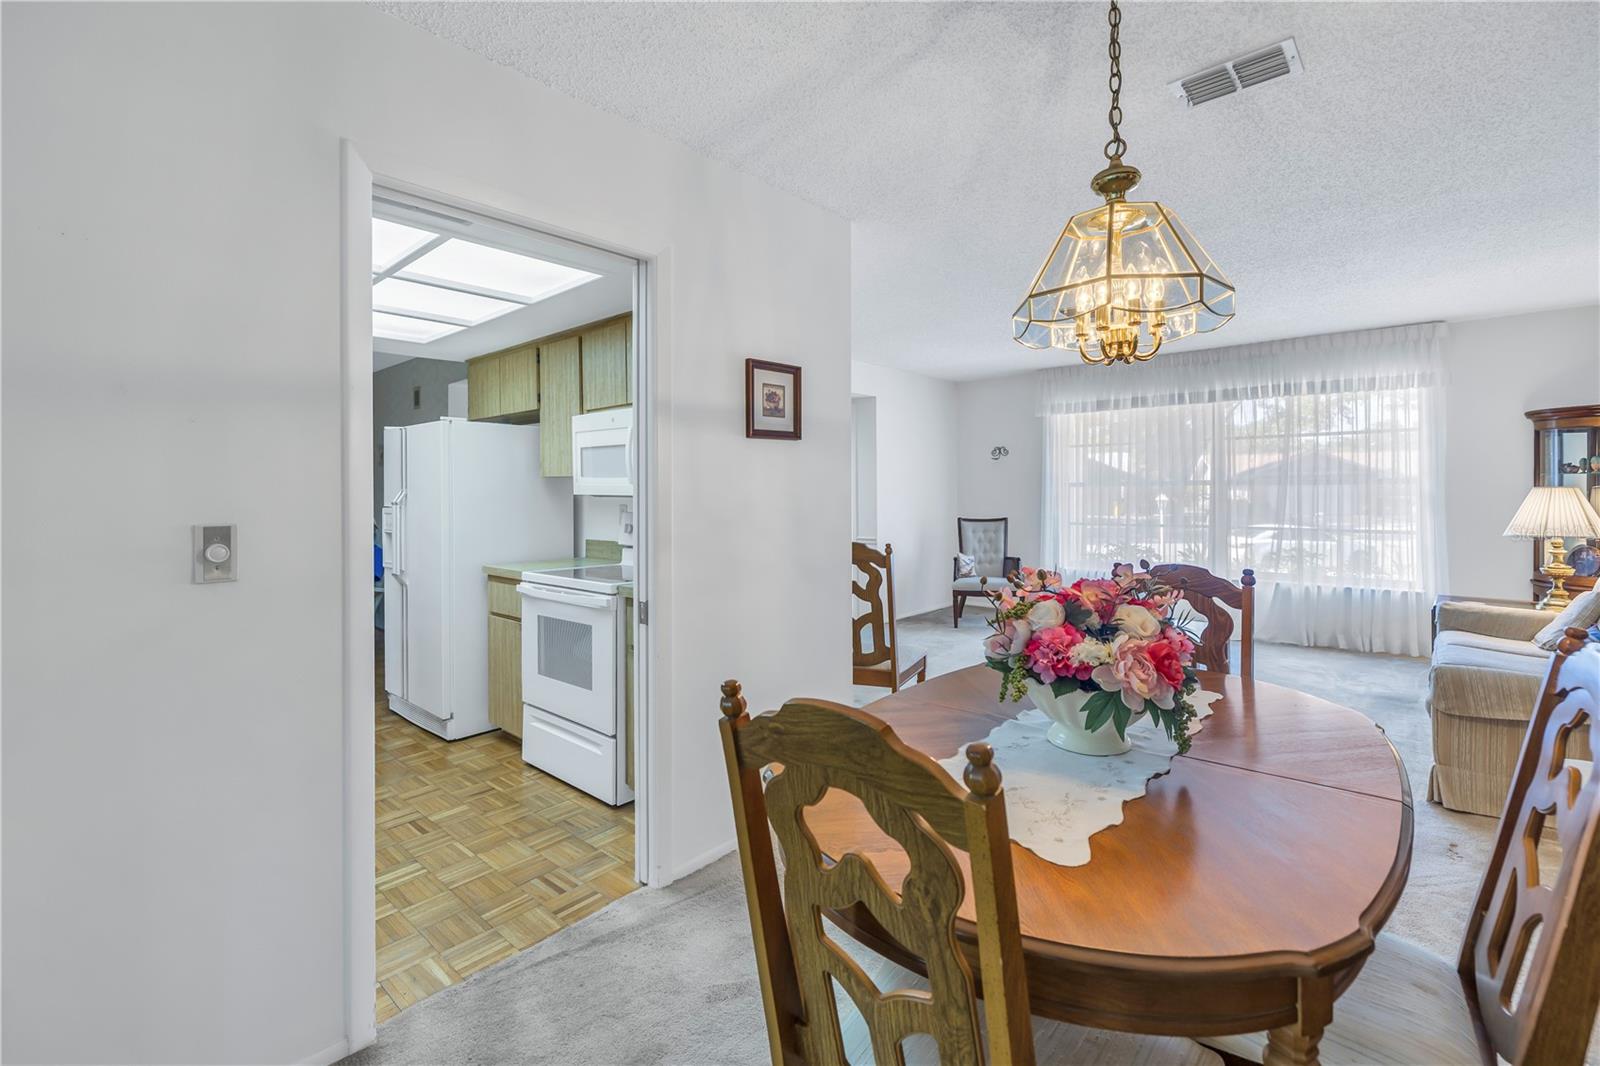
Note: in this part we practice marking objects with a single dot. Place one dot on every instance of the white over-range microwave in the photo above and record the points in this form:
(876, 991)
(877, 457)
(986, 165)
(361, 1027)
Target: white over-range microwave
(602, 453)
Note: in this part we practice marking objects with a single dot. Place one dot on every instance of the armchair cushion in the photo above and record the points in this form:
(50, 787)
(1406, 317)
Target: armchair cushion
(1491, 620)
(1474, 676)
(973, 584)
(1582, 612)
(966, 566)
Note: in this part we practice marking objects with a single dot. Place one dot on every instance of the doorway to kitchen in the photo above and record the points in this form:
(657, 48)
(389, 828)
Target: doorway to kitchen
(508, 720)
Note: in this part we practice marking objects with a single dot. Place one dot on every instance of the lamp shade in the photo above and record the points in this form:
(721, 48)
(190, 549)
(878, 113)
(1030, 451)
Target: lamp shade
(1554, 512)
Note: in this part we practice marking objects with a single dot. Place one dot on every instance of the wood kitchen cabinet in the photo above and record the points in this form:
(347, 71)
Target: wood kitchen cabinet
(552, 379)
(560, 392)
(504, 386)
(608, 364)
(505, 655)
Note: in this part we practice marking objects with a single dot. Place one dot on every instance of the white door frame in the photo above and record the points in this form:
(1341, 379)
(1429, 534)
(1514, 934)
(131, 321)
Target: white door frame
(360, 828)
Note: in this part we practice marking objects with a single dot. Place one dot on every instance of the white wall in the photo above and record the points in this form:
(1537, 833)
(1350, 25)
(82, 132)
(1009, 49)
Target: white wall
(1497, 368)
(392, 405)
(999, 413)
(173, 753)
(916, 446)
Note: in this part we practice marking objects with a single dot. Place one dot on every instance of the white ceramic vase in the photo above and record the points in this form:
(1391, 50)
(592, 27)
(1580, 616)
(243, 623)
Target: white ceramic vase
(1066, 722)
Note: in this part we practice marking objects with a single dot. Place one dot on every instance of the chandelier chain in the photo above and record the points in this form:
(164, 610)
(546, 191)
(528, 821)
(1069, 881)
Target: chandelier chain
(1116, 145)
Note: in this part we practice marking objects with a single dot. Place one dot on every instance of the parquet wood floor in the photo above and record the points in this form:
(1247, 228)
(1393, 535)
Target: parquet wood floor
(479, 856)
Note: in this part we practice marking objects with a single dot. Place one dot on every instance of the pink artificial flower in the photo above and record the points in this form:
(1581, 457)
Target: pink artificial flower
(1164, 656)
(1180, 643)
(1133, 675)
(1123, 574)
(1012, 640)
(1050, 651)
(1099, 596)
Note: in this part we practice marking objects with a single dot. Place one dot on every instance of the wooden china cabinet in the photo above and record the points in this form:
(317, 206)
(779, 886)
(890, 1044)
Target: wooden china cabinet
(1566, 451)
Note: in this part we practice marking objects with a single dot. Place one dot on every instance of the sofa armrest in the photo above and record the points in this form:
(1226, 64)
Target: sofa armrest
(1492, 620)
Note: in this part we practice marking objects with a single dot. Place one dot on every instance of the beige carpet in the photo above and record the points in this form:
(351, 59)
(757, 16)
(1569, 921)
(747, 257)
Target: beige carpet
(667, 977)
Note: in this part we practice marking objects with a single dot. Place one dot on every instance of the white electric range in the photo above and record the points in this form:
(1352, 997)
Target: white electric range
(573, 682)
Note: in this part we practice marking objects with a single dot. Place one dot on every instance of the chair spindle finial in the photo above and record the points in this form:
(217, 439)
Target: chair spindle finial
(733, 704)
(982, 776)
(1249, 579)
(1574, 639)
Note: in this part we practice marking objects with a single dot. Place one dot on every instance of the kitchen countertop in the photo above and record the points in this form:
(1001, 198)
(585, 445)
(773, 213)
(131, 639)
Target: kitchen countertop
(513, 571)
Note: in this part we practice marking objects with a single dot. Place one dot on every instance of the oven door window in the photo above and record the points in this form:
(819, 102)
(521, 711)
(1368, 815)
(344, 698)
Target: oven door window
(566, 651)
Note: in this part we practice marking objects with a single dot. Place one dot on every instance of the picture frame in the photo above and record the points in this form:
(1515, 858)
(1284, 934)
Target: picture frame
(772, 400)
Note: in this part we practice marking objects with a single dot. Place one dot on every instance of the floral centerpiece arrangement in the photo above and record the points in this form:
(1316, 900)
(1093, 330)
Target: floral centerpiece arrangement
(1093, 653)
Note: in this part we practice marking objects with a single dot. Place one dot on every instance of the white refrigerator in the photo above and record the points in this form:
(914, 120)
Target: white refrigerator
(457, 495)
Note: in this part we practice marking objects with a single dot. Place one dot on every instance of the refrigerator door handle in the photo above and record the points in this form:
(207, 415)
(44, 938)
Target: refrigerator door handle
(398, 509)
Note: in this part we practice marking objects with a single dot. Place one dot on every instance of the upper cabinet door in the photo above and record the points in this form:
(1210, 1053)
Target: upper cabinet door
(519, 380)
(483, 387)
(607, 365)
(559, 384)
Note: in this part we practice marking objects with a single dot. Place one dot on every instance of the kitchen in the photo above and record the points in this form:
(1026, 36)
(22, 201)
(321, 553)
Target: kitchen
(504, 588)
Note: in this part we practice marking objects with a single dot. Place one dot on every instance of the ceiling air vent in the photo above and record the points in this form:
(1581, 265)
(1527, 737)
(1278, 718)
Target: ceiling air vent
(1238, 74)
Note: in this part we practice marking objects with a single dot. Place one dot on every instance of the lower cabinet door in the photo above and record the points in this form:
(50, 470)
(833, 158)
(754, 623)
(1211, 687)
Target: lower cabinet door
(505, 674)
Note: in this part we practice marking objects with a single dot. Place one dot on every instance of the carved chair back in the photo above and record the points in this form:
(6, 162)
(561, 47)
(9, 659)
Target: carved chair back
(874, 589)
(1207, 594)
(1531, 955)
(823, 746)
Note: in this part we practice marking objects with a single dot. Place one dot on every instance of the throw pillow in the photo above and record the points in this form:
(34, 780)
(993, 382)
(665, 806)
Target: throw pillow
(966, 565)
(1583, 612)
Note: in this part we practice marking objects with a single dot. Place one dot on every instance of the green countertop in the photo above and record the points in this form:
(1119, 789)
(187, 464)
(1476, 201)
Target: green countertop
(513, 571)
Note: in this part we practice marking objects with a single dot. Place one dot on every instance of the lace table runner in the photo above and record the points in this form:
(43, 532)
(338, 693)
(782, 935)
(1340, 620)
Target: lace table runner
(1056, 800)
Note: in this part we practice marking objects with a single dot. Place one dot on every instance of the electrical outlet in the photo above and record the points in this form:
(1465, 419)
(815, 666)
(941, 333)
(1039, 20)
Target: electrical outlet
(214, 553)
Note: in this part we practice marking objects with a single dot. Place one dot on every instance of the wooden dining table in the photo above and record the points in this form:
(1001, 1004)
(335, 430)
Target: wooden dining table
(1241, 893)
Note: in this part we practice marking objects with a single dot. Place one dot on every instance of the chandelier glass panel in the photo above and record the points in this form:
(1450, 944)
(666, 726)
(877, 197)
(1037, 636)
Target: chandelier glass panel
(1125, 277)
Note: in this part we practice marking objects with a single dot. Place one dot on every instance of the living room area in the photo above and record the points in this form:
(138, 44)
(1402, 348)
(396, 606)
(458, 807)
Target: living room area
(1379, 512)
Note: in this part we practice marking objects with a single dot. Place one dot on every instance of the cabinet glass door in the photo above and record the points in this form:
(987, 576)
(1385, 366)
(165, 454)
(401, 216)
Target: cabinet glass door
(1571, 458)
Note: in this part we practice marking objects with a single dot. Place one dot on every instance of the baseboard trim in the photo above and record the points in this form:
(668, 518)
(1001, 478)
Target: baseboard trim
(328, 1055)
(700, 861)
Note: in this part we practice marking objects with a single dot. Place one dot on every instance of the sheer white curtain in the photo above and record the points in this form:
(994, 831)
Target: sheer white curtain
(1316, 462)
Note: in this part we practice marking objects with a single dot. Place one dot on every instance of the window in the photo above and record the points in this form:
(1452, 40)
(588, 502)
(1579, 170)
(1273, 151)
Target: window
(1313, 463)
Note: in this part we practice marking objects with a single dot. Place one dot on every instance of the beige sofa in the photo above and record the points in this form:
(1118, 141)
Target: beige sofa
(1482, 687)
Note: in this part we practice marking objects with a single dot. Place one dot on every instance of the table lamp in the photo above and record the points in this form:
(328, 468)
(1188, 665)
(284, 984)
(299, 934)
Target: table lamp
(1550, 513)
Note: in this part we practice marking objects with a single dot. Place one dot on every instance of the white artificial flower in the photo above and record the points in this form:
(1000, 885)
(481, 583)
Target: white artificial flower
(1047, 613)
(1090, 653)
(1137, 621)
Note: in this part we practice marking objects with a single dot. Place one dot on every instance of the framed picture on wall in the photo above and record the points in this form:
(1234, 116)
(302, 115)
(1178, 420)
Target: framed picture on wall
(771, 400)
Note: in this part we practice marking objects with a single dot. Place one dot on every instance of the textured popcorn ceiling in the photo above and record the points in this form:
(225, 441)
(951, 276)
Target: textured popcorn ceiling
(1433, 160)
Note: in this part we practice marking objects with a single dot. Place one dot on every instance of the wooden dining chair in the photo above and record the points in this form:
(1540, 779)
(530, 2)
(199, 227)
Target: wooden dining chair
(877, 657)
(818, 746)
(1208, 594)
(1526, 985)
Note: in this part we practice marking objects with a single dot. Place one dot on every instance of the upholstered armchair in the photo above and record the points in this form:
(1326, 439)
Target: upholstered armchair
(985, 542)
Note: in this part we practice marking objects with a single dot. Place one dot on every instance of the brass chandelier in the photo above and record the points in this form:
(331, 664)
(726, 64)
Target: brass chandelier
(1124, 277)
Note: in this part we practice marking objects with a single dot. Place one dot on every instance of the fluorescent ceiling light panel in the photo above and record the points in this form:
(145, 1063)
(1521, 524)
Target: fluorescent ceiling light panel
(392, 242)
(408, 297)
(415, 330)
(459, 262)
